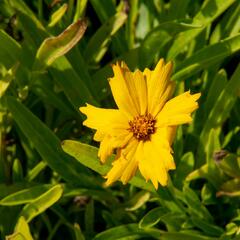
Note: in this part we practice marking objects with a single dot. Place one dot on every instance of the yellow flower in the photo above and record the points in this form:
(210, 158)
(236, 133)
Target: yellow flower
(143, 127)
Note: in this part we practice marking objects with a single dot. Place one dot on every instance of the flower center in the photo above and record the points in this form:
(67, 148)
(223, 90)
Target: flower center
(142, 126)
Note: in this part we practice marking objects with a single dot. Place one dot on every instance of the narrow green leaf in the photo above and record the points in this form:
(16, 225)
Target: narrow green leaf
(73, 86)
(80, 8)
(209, 229)
(33, 173)
(41, 88)
(230, 165)
(159, 37)
(89, 218)
(43, 202)
(127, 231)
(21, 232)
(185, 236)
(131, 23)
(229, 136)
(230, 188)
(207, 57)
(78, 233)
(10, 50)
(22, 7)
(57, 15)
(103, 9)
(211, 147)
(195, 206)
(97, 46)
(17, 171)
(208, 194)
(137, 201)
(54, 47)
(209, 12)
(181, 6)
(6, 78)
(184, 167)
(223, 105)
(201, 172)
(87, 155)
(51, 151)
(152, 217)
(229, 24)
(24, 196)
(217, 85)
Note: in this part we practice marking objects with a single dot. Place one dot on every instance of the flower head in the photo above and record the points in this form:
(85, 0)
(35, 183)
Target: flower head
(143, 127)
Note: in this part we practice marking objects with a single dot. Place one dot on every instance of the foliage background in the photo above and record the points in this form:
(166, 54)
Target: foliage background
(50, 190)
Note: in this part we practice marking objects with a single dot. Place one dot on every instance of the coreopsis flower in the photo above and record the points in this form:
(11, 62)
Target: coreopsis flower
(143, 127)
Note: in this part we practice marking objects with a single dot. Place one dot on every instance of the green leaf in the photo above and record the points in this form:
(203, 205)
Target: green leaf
(87, 155)
(185, 236)
(50, 150)
(137, 201)
(159, 37)
(223, 105)
(24, 196)
(43, 202)
(10, 50)
(6, 78)
(21, 232)
(54, 47)
(230, 188)
(41, 88)
(217, 85)
(196, 208)
(152, 217)
(17, 171)
(57, 15)
(212, 146)
(98, 44)
(78, 233)
(207, 57)
(80, 8)
(209, 229)
(230, 165)
(33, 173)
(208, 13)
(103, 9)
(22, 7)
(73, 86)
(229, 24)
(89, 218)
(201, 172)
(185, 166)
(127, 231)
(131, 23)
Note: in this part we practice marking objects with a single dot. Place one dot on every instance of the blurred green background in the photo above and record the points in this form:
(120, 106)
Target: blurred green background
(50, 190)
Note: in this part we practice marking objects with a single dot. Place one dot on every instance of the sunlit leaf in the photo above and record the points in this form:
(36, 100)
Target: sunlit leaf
(43, 202)
(57, 15)
(54, 47)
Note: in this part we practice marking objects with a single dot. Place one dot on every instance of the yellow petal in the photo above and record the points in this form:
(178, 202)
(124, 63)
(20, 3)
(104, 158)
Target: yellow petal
(132, 165)
(104, 120)
(171, 132)
(105, 149)
(178, 110)
(151, 164)
(160, 88)
(109, 143)
(121, 90)
(116, 171)
(137, 86)
(161, 142)
(124, 166)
